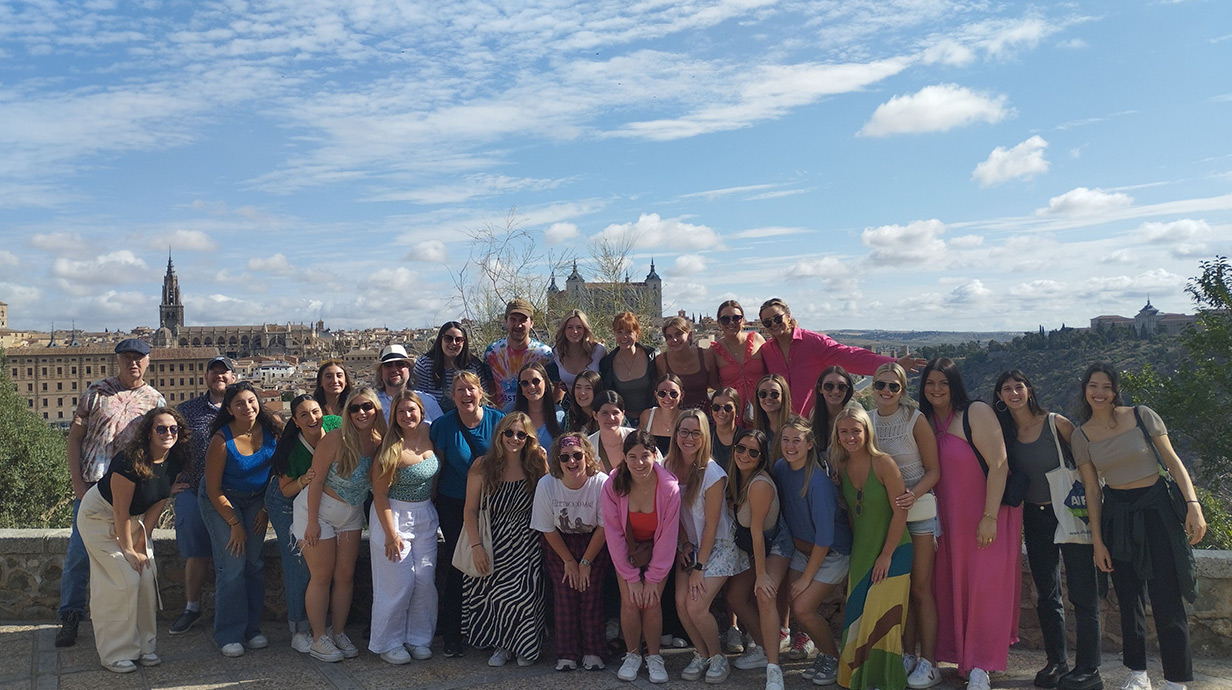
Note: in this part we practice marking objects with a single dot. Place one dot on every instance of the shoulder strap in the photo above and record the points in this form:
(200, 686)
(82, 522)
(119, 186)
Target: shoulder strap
(477, 450)
(1149, 441)
(966, 424)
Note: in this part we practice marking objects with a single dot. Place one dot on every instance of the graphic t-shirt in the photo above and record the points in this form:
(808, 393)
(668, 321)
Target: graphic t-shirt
(568, 510)
(111, 413)
(503, 364)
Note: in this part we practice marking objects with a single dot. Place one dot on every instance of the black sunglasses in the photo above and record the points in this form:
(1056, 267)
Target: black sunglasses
(894, 386)
(776, 320)
(773, 395)
(665, 394)
(576, 455)
(162, 429)
(528, 383)
(729, 319)
(356, 407)
(510, 433)
(725, 407)
(751, 452)
(830, 386)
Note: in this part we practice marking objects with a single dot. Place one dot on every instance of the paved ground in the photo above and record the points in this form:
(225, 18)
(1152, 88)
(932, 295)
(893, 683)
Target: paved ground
(29, 660)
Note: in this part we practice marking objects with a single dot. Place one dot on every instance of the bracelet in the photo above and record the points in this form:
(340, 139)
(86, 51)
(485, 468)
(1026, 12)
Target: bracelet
(476, 545)
(990, 516)
(1198, 502)
(233, 524)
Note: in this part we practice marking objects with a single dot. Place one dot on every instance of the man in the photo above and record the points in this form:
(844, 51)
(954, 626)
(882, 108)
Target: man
(105, 420)
(393, 375)
(505, 358)
(190, 534)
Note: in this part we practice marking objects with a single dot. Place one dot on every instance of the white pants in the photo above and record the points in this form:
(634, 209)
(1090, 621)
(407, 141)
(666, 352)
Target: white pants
(404, 593)
(122, 601)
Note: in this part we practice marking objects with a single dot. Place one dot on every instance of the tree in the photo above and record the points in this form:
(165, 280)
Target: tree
(34, 481)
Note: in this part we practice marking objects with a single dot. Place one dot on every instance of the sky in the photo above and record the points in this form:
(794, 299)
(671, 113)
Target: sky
(890, 164)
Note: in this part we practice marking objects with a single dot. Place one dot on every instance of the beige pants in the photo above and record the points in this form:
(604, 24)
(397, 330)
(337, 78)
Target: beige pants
(122, 601)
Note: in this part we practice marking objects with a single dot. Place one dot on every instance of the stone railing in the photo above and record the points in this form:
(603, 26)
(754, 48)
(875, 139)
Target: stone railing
(30, 564)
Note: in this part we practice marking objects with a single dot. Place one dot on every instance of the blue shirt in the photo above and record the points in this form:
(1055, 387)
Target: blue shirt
(815, 517)
(449, 437)
(248, 472)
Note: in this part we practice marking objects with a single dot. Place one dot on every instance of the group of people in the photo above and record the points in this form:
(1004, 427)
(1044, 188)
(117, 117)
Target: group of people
(639, 487)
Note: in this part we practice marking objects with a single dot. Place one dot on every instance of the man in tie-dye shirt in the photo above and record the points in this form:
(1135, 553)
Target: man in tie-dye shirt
(505, 358)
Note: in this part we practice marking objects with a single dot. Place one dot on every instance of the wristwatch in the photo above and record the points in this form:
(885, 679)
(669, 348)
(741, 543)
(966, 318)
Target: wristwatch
(584, 561)
(699, 566)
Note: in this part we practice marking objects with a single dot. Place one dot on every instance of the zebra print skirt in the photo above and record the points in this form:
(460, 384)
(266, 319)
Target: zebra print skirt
(506, 609)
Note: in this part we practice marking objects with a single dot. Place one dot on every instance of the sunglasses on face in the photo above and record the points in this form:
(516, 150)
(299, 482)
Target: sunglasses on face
(163, 429)
(771, 322)
(451, 339)
(753, 453)
(510, 433)
(729, 319)
(694, 434)
(830, 387)
(531, 383)
(668, 394)
(773, 395)
(725, 407)
(894, 386)
(356, 407)
(576, 455)
(395, 365)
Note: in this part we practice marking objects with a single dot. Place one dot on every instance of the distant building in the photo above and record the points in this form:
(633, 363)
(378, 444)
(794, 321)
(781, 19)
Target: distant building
(1147, 321)
(604, 300)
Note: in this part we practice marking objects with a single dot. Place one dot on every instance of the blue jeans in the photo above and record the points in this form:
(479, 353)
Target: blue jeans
(75, 580)
(294, 569)
(239, 581)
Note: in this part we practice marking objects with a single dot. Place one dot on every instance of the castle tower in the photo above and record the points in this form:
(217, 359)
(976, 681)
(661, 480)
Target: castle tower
(171, 311)
(654, 284)
(4, 316)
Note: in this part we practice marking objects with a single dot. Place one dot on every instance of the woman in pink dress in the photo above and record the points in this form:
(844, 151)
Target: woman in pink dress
(978, 572)
(737, 355)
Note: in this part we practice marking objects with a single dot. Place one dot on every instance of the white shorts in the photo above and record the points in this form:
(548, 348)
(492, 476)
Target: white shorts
(333, 515)
(833, 570)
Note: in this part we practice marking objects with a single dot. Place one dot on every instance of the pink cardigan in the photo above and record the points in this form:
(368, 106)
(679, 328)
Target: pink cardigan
(615, 518)
(811, 353)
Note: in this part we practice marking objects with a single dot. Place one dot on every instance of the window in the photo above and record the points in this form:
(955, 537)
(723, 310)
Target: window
(29, 402)
(59, 371)
(74, 371)
(74, 401)
(162, 382)
(87, 371)
(74, 385)
(29, 387)
(44, 371)
(160, 368)
(44, 386)
(30, 371)
(181, 380)
(45, 401)
(45, 415)
(14, 372)
(59, 385)
(102, 370)
(59, 402)
(60, 415)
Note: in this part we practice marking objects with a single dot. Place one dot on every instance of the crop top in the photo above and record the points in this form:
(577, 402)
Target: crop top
(414, 482)
(642, 526)
(1124, 458)
(896, 436)
(353, 489)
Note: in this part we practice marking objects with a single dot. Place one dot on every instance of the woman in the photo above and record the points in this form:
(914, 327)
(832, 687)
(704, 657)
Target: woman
(451, 352)
(724, 411)
(709, 555)
(609, 440)
(835, 388)
(575, 349)
(693, 365)
(978, 575)
(1036, 443)
(1138, 532)
(333, 387)
(879, 580)
(755, 502)
(568, 511)
(237, 469)
(661, 420)
(629, 369)
(329, 517)
(504, 609)
(773, 405)
(402, 526)
(459, 438)
(903, 433)
(641, 521)
(292, 470)
(821, 537)
(800, 356)
(534, 400)
(737, 355)
(580, 415)
(116, 518)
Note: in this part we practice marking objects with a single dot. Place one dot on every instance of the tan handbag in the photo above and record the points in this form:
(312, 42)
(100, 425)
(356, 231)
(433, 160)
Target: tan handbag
(464, 552)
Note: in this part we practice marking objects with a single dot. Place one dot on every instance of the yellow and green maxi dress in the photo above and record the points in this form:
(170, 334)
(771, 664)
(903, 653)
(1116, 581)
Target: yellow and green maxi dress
(872, 642)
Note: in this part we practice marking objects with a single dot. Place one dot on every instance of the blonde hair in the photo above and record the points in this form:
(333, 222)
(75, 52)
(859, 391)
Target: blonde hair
(901, 375)
(680, 323)
(687, 476)
(588, 455)
(349, 454)
(838, 453)
(814, 460)
(390, 453)
(561, 344)
(471, 379)
(533, 458)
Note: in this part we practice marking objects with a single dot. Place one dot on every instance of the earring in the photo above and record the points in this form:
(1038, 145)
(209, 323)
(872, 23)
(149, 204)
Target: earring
(1000, 406)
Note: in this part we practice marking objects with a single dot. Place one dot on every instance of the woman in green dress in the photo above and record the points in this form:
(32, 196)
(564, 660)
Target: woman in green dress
(879, 581)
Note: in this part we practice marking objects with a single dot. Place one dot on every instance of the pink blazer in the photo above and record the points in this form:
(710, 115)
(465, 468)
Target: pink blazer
(615, 519)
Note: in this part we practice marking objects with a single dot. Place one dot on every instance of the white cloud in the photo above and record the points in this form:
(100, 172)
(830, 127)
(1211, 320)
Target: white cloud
(917, 242)
(937, 108)
(185, 240)
(60, 242)
(820, 267)
(8, 258)
(108, 269)
(1081, 201)
(560, 232)
(1024, 161)
(970, 292)
(769, 231)
(652, 232)
(689, 264)
(1183, 230)
(1120, 256)
(392, 281)
(277, 265)
(1040, 290)
(967, 241)
(428, 251)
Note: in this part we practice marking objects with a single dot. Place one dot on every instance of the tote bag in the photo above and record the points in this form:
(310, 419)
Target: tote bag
(1069, 496)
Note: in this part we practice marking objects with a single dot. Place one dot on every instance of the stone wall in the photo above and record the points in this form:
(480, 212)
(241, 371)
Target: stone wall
(30, 562)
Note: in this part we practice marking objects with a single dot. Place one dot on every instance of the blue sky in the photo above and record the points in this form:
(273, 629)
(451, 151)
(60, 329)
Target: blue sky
(896, 164)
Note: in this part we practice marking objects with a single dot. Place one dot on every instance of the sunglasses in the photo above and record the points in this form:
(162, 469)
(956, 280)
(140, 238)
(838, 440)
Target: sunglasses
(727, 320)
(356, 407)
(830, 387)
(400, 364)
(776, 320)
(753, 453)
(163, 429)
(894, 386)
(510, 433)
(773, 395)
(668, 394)
(453, 339)
(725, 407)
(531, 383)
(694, 434)
(575, 455)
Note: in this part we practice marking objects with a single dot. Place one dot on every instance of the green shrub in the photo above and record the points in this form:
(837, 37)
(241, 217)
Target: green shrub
(35, 490)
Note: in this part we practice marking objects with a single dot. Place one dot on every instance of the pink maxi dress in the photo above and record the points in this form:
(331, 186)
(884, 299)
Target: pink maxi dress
(977, 590)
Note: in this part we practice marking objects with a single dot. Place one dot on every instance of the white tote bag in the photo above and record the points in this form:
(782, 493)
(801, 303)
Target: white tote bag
(1069, 496)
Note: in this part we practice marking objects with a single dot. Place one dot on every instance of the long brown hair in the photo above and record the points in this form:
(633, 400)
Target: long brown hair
(138, 448)
(689, 476)
(762, 421)
(491, 467)
(622, 481)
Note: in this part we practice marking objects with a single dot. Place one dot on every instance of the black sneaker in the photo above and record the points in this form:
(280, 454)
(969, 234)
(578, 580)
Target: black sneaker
(67, 636)
(453, 648)
(184, 622)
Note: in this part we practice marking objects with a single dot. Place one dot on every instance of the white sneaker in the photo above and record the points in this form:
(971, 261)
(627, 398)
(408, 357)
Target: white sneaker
(324, 649)
(566, 665)
(774, 677)
(1137, 680)
(629, 666)
(396, 656)
(718, 670)
(499, 657)
(925, 675)
(909, 662)
(655, 668)
(734, 640)
(753, 657)
(978, 680)
(149, 659)
(121, 666)
(301, 642)
(1169, 685)
(784, 640)
(233, 649)
(673, 642)
(344, 645)
(590, 662)
(801, 647)
(257, 641)
(419, 652)
(695, 668)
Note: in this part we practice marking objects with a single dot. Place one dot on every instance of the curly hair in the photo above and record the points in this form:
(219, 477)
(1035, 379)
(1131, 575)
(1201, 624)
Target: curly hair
(138, 448)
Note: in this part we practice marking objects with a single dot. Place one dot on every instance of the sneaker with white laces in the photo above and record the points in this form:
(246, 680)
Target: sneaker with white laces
(629, 666)
(717, 670)
(121, 666)
(149, 659)
(695, 668)
(909, 662)
(753, 657)
(655, 668)
(774, 677)
(733, 640)
(825, 670)
(257, 641)
(419, 652)
(344, 645)
(499, 657)
(784, 640)
(233, 649)
(301, 642)
(590, 662)
(801, 647)
(925, 675)
(1137, 680)
(978, 680)
(396, 656)
(324, 649)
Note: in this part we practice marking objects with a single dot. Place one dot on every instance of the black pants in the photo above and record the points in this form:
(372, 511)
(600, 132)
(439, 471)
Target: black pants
(1039, 524)
(449, 510)
(1171, 622)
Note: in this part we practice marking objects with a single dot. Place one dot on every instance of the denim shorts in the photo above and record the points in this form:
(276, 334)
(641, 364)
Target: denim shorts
(782, 544)
(191, 536)
(333, 515)
(929, 526)
(833, 570)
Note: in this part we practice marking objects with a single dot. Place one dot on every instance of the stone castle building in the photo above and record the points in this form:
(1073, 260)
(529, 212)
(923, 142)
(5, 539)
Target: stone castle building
(603, 299)
(1148, 321)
